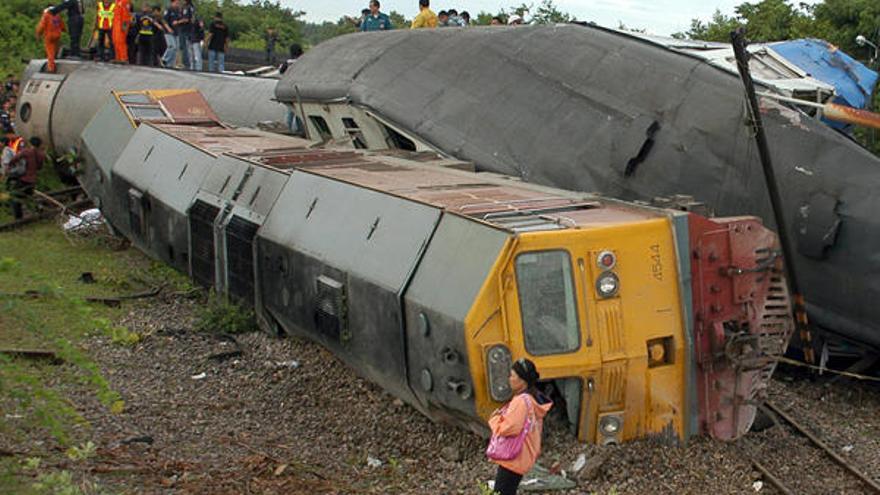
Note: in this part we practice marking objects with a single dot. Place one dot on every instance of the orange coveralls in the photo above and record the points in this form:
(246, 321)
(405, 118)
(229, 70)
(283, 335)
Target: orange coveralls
(50, 28)
(121, 21)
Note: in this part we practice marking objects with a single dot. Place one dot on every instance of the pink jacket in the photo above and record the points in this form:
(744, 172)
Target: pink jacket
(511, 424)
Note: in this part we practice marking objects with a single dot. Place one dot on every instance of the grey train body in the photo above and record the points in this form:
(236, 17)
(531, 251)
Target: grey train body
(57, 107)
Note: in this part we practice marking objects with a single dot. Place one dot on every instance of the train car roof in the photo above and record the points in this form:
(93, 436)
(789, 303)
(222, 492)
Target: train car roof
(426, 178)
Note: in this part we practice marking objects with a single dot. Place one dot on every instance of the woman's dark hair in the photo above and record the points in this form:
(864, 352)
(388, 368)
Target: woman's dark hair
(296, 51)
(525, 369)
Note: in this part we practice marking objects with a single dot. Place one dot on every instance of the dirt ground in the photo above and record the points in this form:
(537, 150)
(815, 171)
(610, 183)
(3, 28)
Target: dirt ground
(257, 414)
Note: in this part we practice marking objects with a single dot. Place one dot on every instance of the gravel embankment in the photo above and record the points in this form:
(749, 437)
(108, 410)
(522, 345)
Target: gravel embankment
(258, 423)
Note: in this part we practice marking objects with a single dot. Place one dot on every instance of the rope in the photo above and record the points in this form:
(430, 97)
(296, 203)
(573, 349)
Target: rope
(794, 362)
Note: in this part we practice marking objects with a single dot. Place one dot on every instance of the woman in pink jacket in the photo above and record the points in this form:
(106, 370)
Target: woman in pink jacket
(527, 406)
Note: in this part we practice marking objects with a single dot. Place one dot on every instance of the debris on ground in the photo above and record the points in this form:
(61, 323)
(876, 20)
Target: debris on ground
(88, 222)
(324, 430)
(540, 479)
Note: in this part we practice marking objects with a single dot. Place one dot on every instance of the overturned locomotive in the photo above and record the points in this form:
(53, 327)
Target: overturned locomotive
(429, 278)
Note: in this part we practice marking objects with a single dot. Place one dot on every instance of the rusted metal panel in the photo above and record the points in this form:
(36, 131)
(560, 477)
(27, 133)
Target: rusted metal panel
(188, 108)
(234, 141)
(742, 319)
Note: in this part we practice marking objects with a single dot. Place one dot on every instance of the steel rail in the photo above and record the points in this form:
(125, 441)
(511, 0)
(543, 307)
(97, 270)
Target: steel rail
(770, 478)
(821, 444)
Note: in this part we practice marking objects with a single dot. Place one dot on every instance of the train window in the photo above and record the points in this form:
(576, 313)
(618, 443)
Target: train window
(25, 112)
(547, 302)
(352, 129)
(398, 141)
(321, 125)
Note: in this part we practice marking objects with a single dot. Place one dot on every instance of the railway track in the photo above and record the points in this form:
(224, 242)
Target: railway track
(788, 479)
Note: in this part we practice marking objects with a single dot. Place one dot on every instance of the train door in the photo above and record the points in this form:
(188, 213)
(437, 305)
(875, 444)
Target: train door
(549, 320)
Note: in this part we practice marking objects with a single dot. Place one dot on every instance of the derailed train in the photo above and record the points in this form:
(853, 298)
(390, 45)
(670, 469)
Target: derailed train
(591, 110)
(429, 278)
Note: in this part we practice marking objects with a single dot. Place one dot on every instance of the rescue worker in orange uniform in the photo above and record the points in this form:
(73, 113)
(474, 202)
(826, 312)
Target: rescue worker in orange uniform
(104, 27)
(50, 28)
(121, 23)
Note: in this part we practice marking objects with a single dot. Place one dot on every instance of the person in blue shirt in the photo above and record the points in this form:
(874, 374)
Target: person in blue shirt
(376, 21)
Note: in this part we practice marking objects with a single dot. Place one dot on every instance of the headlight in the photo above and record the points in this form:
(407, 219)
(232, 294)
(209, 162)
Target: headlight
(610, 426)
(498, 363)
(606, 260)
(607, 285)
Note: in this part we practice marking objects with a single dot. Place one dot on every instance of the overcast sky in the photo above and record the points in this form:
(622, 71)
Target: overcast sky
(662, 17)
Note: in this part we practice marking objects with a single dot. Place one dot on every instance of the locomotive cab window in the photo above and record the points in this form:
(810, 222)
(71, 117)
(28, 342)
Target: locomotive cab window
(548, 302)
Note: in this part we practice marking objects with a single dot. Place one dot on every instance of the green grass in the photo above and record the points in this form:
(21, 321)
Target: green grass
(40, 258)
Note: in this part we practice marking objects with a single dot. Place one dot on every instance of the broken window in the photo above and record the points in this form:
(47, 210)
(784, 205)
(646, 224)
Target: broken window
(352, 129)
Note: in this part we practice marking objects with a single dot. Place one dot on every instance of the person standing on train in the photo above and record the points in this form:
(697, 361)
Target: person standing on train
(50, 28)
(426, 17)
(218, 43)
(517, 428)
(185, 33)
(147, 31)
(196, 47)
(172, 15)
(75, 11)
(121, 22)
(376, 20)
(104, 28)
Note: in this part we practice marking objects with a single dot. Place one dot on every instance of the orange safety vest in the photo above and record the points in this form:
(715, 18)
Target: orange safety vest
(105, 16)
(16, 144)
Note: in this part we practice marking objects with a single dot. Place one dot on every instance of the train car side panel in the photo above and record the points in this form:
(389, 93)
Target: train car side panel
(454, 268)
(340, 258)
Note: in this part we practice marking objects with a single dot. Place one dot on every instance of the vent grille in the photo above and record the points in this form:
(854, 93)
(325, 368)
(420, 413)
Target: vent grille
(330, 308)
(613, 386)
(240, 235)
(201, 234)
(611, 330)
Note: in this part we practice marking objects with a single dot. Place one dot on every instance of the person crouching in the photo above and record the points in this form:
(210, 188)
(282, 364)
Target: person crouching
(517, 428)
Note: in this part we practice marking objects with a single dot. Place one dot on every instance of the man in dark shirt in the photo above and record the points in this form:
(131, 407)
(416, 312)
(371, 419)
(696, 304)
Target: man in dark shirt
(218, 41)
(23, 179)
(271, 38)
(146, 33)
(75, 10)
(185, 33)
(172, 15)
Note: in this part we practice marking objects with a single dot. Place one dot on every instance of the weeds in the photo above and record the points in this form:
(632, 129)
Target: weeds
(220, 315)
(483, 489)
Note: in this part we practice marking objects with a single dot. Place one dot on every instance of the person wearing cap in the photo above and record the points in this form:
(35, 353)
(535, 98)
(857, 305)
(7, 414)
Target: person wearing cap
(426, 17)
(515, 20)
(527, 407)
